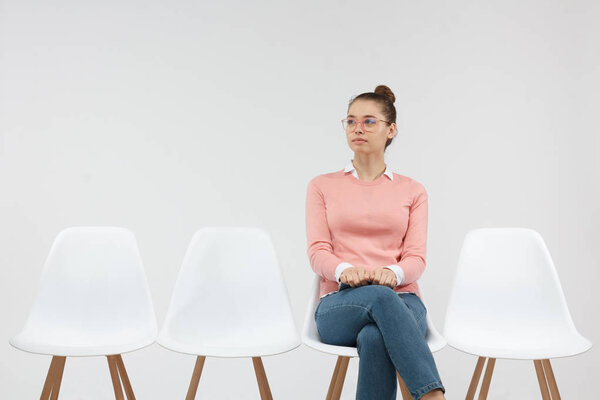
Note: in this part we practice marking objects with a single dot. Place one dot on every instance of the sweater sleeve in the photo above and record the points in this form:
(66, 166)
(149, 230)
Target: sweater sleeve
(414, 246)
(318, 237)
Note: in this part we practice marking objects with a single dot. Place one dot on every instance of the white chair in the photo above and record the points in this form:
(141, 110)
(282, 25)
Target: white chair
(311, 338)
(230, 300)
(507, 302)
(93, 300)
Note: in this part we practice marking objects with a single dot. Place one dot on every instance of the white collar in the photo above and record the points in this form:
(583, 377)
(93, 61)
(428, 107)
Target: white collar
(350, 168)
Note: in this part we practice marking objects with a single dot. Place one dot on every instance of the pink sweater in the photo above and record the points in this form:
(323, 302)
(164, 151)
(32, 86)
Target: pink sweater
(369, 223)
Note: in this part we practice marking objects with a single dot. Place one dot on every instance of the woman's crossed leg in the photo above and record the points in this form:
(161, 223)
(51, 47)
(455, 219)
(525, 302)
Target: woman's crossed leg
(384, 327)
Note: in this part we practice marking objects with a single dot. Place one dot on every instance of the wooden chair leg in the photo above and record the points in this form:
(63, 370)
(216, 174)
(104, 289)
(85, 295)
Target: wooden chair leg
(191, 393)
(475, 379)
(555, 395)
(334, 378)
(124, 377)
(403, 388)
(114, 375)
(51, 377)
(539, 370)
(49, 382)
(487, 379)
(339, 379)
(261, 378)
(58, 377)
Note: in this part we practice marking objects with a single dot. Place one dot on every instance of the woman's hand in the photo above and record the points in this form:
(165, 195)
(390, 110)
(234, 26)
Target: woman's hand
(383, 276)
(356, 276)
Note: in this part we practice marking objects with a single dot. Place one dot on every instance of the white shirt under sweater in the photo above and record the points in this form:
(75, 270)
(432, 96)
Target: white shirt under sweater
(344, 265)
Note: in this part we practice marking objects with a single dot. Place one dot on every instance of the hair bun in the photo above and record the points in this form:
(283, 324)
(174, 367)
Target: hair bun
(385, 91)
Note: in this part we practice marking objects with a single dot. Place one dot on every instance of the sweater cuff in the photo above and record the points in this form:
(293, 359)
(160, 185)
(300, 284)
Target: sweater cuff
(339, 269)
(398, 271)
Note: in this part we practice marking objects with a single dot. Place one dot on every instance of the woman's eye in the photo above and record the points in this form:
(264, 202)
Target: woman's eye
(370, 121)
(351, 122)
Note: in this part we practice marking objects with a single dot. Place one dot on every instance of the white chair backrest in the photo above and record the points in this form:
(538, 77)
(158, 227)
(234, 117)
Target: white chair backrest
(309, 330)
(505, 276)
(93, 282)
(229, 286)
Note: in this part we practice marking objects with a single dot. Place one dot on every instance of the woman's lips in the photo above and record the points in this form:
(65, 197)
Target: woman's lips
(359, 141)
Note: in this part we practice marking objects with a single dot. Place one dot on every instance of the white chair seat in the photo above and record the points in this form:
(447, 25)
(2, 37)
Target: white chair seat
(70, 343)
(532, 344)
(229, 351)
(229, 341)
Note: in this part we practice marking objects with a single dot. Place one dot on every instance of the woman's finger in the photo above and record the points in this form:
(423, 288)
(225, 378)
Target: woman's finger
(394, 281)
(377, 277)
(358, 280)
(390, 281)
(365, 280)
(364, 277)
(343, 278)
(359, 275)
(385, 279)
(352, 280)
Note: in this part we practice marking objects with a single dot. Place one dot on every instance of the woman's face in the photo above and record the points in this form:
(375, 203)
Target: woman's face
(374, 138)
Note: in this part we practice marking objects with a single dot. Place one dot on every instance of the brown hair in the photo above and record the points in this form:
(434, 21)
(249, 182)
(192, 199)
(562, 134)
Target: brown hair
(385, 98)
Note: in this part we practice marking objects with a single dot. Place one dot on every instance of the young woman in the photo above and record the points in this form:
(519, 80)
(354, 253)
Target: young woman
(367, 231)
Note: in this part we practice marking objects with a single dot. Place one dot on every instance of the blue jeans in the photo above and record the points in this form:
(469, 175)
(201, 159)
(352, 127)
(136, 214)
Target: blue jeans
(388, 329)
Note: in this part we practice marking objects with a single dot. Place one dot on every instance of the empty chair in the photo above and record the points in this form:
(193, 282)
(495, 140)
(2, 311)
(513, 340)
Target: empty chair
(93, 300)
(230, 300)
(311, 338)
(507, 302)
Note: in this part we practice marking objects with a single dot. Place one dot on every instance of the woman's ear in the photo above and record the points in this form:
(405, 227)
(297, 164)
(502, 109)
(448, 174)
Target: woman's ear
(393, 130)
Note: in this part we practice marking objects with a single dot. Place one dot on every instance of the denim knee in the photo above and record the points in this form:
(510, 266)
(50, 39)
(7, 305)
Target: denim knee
(379, 294)
(370, 337)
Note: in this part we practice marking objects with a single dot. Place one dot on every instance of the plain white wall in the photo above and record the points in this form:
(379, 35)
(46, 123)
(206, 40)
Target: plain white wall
(164, 117)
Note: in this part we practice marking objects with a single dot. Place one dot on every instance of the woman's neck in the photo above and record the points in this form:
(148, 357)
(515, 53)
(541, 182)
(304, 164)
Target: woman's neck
(368, 168)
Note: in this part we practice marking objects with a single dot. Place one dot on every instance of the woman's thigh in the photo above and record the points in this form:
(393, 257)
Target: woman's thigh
(341, 316)
(415, 304)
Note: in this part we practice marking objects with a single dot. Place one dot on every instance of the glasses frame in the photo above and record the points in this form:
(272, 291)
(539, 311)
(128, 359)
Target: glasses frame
(362, 123)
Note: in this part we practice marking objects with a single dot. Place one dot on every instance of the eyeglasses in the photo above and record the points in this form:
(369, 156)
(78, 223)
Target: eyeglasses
(368, 124)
